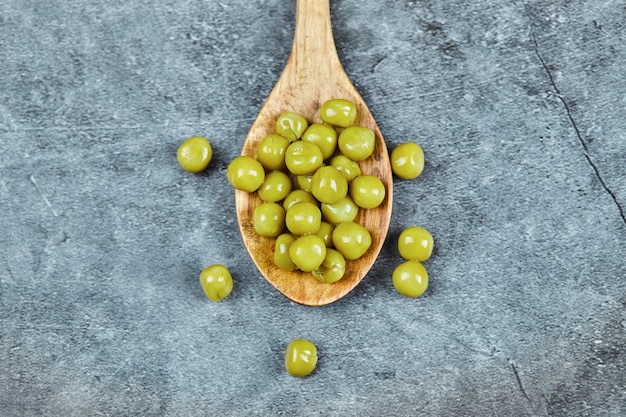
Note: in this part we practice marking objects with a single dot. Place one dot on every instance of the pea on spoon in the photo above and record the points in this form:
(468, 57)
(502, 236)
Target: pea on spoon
(313, 74)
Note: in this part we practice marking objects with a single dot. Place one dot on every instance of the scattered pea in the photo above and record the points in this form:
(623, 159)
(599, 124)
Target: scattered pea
(300, 357)
(407, 160)
(410, 279)
(216, 282)
(194, 154)
(415, 244)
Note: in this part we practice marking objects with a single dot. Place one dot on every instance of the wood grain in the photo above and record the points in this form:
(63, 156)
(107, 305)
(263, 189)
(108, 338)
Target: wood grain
(314, 74)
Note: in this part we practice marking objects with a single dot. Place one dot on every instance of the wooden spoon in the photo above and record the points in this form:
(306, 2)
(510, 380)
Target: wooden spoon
(314, 74)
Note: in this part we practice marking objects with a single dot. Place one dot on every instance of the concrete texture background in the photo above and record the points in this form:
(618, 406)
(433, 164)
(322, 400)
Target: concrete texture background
(519, 107)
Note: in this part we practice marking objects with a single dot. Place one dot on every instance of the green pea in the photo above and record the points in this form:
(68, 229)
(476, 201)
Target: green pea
(303, 218)
(216, 282)
(410, 278)
(195, 153)
(276, 187)
(291, 126)
(271, 152)
(268, 219)
(338, 112)
(352, 240)
(299, 196)
(245, 173)
(326, 233)
(304, 182)
(356, 142)
(281, 252)
(300, 357)
(303, 158)
(349, 168)
(328, 185)
(308, 252)
(407, 160)
(332, 269)
(324, 136)
(345, 210)
(415, 244)
(367, 191)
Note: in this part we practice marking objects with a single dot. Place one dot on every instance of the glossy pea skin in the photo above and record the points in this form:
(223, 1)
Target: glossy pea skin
(276, 187)
(349, 168)
(352, 240)
(415, 244)
(356, 142)
(303, 158)
(268, 219)
(307, 252)
(281, 252)
(299, 196)
(345, 210)
(303, 218)
(304, 182)
(291, 126)
(324, 136)
(410, 279)
(332, 269)
(245, 173)
(338, 112)
(325, 233)
(194, 154)
(300, 357)
(367, 191)
(407, 160)
(216, 282)
(271, 152)
(328, 185)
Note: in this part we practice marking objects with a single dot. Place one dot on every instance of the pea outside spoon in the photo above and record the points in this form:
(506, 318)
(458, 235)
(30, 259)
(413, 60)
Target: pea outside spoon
(313, 74)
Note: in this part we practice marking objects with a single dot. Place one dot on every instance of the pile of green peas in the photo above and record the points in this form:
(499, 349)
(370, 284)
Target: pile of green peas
(312, 188)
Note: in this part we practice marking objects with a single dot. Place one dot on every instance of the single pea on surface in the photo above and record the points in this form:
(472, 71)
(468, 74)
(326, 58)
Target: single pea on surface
(300, 357)
(216, 281)
(415, 244)
(194, 154)
(407, 160)
(410, 278)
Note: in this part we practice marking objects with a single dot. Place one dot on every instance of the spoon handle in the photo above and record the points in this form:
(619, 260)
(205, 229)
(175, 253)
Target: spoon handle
(313, 44)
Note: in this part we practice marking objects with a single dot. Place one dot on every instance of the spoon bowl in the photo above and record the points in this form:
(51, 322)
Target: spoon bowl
(313, 75)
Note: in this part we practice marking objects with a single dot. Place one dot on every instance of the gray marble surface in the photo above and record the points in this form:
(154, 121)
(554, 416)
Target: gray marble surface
(519, 107)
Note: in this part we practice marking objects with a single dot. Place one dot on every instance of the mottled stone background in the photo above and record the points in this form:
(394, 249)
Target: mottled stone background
(520, 107)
